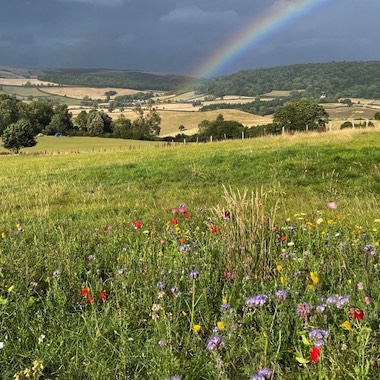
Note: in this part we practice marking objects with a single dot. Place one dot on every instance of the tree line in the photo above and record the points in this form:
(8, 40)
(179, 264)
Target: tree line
(21, 122)
(333, 80)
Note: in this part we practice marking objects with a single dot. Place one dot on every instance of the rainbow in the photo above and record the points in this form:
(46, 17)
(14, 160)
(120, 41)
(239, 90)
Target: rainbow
(277, 17)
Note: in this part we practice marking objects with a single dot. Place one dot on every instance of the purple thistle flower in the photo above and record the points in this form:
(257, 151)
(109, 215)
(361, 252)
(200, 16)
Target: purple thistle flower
(258, 300)
(262, 374)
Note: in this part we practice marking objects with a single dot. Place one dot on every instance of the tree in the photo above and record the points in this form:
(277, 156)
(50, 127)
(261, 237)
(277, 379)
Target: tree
(122, 127)
(18, 135)
(95, 124)
(61, 121)
(301, 115)
(377, 115)
(9, 112)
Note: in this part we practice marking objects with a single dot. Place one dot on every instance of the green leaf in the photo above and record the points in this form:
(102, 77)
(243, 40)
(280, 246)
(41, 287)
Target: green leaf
(3, 301)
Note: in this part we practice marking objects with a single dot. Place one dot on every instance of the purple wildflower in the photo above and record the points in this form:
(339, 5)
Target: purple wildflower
(184, 248)
(321, 308)
(194, 274)
(262, 374)
(160, 285)
(214, 342)
(331, 300)
(303, 310)
(319, 334)
(281, 294)
(258, 300)
(370, 248)
(341, 301)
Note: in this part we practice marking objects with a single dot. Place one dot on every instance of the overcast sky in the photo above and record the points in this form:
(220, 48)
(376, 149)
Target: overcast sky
(179, 35)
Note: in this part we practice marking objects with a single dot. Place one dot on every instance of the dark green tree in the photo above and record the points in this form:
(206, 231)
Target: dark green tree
(122, 128)
(95, 124)
(301, 115)
(377, 115)
(18, 135)
(81, 120)
(61, 121)
(9, 111)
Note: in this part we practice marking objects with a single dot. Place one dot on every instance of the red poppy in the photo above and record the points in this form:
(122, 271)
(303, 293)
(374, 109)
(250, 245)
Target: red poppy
(103, 295)
(357, 313)
(182, 240)
(174, 221)
(85, 292)
(137, 224)
(314, 354)
(89, 298)
(213, 229)
(186, 216)
(284, 238)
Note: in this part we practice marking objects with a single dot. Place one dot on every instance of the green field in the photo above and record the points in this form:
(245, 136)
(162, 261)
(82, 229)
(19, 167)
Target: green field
(24, 92)
(104, 274)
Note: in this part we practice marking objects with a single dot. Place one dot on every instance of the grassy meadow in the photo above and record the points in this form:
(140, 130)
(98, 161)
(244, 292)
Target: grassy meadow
(254, 259)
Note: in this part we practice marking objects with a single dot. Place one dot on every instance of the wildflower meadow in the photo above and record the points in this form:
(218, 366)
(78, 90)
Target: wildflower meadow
(154, 264)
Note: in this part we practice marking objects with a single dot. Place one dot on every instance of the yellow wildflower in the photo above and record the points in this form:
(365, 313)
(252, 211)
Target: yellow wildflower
(279, 268)
(310, 287)
(346, 325)
(314, 277)
(220, 325)
(224, 300)
(184, 313)
(330, 221)
(3, 235)
(282, 280)
(319, 220)
(196, 328)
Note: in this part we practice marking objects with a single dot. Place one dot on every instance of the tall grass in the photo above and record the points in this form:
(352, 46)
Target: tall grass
(212, 261)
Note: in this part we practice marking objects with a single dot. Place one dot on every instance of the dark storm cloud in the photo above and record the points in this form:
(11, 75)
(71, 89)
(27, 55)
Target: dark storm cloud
(178, 35)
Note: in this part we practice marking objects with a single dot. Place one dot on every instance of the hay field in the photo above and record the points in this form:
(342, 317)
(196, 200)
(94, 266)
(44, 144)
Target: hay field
(171, 120)
(23, 81)
(92, 92)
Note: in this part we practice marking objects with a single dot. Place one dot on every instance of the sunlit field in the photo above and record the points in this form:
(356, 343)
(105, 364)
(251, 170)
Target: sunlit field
(250, 259)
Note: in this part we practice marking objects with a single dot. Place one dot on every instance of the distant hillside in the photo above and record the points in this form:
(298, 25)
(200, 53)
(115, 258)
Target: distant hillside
(136, 80)
(333, 80)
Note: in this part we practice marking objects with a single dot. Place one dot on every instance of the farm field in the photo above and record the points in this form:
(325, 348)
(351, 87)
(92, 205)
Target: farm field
(230, 260)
